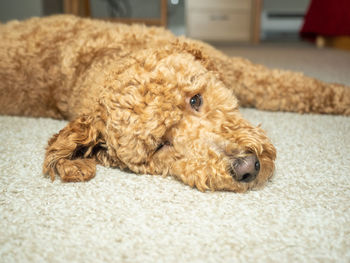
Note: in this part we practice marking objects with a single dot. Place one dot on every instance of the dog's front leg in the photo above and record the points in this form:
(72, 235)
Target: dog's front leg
(75, 150)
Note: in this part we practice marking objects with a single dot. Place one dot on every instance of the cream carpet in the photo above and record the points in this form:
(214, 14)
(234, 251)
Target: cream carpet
(302, 215)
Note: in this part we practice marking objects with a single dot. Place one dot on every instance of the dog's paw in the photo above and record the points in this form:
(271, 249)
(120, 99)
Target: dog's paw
(77, 170)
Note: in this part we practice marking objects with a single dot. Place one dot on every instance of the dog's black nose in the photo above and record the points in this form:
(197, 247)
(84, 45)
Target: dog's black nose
(246, 169)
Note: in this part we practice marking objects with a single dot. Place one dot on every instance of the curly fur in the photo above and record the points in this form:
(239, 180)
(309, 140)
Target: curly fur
(126, 91)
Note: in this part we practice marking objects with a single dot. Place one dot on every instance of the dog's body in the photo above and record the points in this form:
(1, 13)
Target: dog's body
(142, 99)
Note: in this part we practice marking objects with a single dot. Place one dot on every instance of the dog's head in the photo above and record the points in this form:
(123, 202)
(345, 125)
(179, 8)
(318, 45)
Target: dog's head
(167, 114)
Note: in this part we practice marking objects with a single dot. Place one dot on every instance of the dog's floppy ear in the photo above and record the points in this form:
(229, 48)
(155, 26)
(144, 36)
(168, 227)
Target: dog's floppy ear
(75, 150)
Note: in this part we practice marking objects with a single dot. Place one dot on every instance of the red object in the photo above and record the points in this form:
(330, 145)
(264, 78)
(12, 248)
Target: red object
(327, 18)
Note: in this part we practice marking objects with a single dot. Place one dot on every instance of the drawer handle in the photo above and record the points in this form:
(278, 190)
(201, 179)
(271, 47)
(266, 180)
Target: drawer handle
(218, 17)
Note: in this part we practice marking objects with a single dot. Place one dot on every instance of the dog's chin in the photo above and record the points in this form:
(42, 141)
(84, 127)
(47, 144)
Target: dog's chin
(241, 187)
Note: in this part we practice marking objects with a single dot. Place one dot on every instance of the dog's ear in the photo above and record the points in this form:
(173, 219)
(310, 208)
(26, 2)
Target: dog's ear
(75, 150)
(200, 51)
(191, 48)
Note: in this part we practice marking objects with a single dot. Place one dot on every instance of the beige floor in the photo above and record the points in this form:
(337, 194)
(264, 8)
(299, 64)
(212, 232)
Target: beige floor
(302, 215)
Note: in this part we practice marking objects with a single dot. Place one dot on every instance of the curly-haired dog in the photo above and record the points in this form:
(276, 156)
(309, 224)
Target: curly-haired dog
(142, 99)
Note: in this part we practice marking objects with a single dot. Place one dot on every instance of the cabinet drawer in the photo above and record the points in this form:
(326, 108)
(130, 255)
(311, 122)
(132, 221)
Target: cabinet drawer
(218, 4)
(223, 25)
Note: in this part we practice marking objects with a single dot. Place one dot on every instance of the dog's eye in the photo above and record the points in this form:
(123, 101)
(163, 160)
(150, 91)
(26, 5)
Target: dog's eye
(196, 102)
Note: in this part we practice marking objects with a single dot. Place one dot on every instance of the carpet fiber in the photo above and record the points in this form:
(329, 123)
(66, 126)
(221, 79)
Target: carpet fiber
(302, 215)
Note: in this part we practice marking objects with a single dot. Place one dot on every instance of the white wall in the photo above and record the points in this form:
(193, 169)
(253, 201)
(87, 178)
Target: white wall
(19, 9)
(139, 8)
(285, 5)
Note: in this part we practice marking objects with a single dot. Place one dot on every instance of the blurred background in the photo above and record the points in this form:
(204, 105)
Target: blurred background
(219, 21)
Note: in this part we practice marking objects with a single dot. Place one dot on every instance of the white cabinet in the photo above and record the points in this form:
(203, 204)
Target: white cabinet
(223, 20)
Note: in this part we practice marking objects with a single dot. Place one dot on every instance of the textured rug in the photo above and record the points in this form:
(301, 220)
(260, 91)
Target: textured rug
(302, 215)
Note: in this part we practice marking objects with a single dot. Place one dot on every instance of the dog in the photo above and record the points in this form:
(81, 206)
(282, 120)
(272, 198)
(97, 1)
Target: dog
(141, 99)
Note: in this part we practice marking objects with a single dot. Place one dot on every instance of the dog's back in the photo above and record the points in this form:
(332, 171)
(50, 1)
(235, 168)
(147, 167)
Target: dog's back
(41, 59)
(30, 68)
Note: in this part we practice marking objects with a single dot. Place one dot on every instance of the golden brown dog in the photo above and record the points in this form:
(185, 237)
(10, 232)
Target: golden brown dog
(139, 98)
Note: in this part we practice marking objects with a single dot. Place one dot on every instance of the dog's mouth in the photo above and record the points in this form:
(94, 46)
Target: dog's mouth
(162, 145)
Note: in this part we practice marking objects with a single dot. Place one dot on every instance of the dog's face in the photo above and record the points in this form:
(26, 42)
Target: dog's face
(171, 116)
(164, 113)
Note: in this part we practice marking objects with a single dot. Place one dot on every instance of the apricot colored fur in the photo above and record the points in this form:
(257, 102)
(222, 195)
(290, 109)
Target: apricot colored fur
(126, 90)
